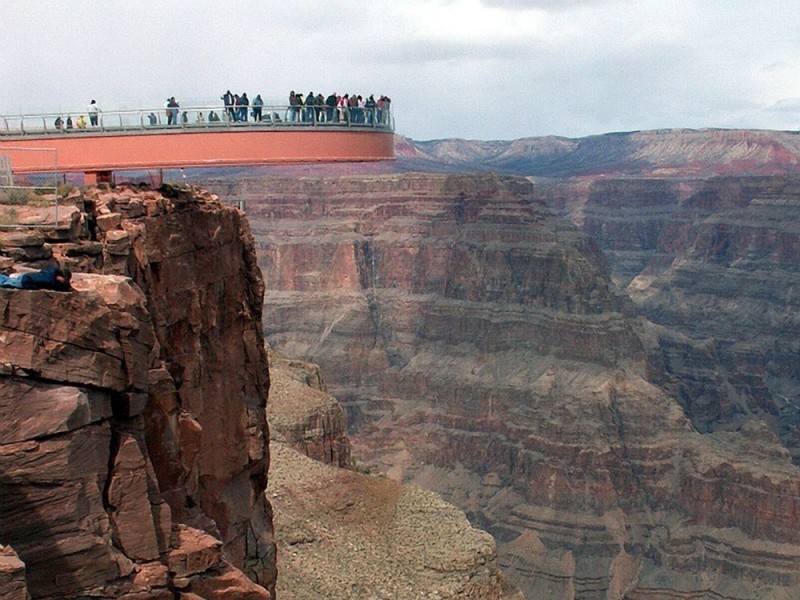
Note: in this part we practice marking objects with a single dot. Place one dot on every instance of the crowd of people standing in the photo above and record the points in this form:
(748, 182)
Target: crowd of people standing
(335, 108)
(237, 108)
(312, 108)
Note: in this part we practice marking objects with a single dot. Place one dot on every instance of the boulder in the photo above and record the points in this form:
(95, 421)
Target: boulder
(12, 575)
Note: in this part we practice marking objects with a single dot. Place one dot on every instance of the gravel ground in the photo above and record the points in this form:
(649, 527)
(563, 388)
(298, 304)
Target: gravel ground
(345, 535)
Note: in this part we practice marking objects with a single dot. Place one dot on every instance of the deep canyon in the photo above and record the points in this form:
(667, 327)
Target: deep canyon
(601, 373)
(136, 453)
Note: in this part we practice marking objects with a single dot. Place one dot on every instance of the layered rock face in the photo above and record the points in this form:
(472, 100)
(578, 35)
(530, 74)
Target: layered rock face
(341, 534)
(479, 348)
(716, 264)
(304, 415)
(625, 217)
(134, 457)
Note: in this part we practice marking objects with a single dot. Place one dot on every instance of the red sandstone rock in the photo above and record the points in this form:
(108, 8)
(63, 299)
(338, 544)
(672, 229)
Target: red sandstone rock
(195, 552)
(130, 508)
(30, 410)
(57, 468)
(197, 567)
(197, 269)
(49, 334)
(99, 381)
(12, 575)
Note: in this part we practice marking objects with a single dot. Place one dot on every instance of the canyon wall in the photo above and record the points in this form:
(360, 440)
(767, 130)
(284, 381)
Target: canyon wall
(134, 458)
(480, 348)
(715, 263)
(303, 415)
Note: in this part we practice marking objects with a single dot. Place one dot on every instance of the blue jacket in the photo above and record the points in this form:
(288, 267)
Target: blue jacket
(37, 280)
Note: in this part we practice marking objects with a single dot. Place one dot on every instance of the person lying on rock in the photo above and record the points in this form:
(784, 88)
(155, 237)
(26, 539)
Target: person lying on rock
(53, 277)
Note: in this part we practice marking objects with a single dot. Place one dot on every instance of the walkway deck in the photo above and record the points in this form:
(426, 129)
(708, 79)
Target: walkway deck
(130, 140)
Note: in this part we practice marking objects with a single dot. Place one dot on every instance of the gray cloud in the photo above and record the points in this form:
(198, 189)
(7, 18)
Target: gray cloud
(545, 4)
(430, 51)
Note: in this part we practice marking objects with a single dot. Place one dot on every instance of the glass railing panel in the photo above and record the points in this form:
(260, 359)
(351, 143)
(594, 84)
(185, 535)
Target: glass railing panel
(205, 117)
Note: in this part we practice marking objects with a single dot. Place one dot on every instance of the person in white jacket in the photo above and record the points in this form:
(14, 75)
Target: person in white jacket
(93, 112)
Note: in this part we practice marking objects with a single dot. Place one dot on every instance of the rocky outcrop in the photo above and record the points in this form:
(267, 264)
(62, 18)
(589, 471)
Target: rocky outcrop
(345, 535)
(135, 457)
(304, 415)
(480, 350)
(341, 534)
(12, 575)
(206, 422)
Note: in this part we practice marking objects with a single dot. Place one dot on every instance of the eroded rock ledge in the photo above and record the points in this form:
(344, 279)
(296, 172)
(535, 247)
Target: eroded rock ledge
(304, 415)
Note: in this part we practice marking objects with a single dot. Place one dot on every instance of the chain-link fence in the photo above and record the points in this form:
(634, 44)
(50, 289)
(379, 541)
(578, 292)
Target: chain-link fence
(27, 202)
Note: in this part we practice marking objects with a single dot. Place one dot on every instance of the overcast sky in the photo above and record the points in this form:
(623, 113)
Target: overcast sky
(474, 69)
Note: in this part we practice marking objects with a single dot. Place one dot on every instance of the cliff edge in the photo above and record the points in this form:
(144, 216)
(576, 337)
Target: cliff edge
(134, 452)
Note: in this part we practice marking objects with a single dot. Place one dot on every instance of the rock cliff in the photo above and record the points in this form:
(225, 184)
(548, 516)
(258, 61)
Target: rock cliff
(12, 575)
(481, 350)
(134, 456)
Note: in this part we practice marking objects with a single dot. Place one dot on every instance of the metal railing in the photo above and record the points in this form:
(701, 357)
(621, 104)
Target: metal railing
(196, 117)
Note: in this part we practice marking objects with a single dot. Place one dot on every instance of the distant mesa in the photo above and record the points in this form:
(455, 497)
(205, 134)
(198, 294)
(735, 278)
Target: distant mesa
(670, 153)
